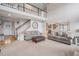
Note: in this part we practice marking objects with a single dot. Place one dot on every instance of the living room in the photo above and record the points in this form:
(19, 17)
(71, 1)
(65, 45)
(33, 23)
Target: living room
(65, 17)
(41, 29)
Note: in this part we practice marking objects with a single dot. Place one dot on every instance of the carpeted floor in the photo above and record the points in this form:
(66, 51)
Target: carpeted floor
(44, 48)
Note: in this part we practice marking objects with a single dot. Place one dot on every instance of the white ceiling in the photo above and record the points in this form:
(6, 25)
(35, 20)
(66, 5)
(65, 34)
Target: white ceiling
(63, 12)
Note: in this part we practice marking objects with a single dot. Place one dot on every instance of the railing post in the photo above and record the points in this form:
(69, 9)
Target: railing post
(38, 12)
(23, 7)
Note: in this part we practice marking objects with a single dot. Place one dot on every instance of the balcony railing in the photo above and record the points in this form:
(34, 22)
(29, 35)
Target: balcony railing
(26, 8)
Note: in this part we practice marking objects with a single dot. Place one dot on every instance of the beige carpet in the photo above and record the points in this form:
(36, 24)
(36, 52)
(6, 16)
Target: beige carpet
(44, 48)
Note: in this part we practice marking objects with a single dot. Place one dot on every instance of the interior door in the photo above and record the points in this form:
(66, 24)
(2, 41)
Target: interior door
(8, 28)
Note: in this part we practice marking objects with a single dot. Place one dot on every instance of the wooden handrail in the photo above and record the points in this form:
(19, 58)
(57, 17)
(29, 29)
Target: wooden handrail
(22, 25)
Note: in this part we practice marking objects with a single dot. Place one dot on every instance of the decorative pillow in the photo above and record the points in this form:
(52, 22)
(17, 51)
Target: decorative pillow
(57, 34)
(64, 34)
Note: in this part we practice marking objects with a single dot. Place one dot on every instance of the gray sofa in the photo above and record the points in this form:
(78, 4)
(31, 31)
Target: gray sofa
(64, 38)
(33, 35)
(29, 34)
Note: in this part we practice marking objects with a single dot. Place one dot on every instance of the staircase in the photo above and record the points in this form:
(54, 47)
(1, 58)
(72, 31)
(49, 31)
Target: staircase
(26, 25)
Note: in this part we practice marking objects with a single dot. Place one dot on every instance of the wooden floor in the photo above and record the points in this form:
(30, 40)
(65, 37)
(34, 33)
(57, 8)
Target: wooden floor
(9, 39)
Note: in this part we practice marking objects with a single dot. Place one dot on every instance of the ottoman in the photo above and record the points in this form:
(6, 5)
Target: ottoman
(38, 38)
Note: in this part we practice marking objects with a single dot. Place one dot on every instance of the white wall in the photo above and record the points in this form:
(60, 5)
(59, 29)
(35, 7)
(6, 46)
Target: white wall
(18, 24)
(8, 28)
(24, 27)
(74, 27)
(40, 26)
(58, 12)
(62, 12)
